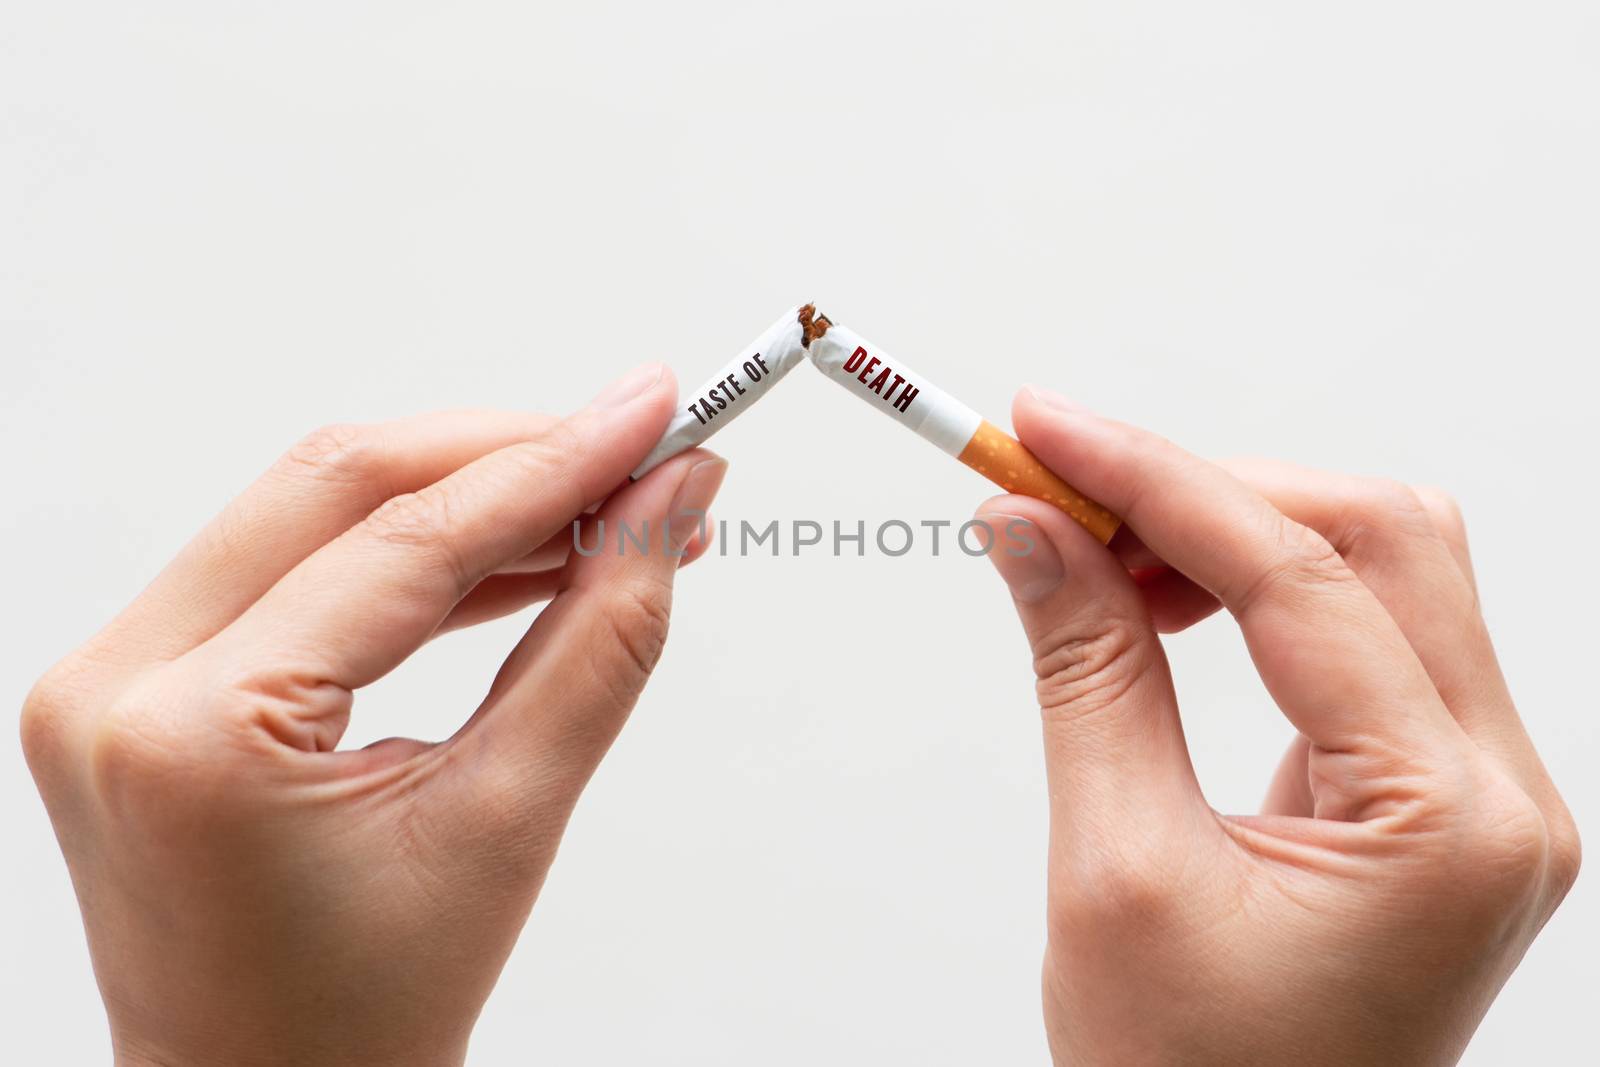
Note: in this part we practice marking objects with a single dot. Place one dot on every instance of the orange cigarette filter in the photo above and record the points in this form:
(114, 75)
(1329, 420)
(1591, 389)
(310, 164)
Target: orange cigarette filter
(1006, 462)
(910, 399)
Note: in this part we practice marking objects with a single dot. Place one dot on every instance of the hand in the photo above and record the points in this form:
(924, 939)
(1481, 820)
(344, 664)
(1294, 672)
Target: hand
(1411, 845)
(252, 895)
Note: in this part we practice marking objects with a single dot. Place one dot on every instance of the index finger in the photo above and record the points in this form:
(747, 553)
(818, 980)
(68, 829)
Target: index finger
(1330, 655)
(323, 486)
(352, 611)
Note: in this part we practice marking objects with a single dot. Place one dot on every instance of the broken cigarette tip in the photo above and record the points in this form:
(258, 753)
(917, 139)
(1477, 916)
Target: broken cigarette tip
(886, 383)
(812, 325)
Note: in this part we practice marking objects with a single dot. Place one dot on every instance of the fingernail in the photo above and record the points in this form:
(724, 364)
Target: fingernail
(1028, 562)
(1052, 399)
(630, 385)
(690, 503)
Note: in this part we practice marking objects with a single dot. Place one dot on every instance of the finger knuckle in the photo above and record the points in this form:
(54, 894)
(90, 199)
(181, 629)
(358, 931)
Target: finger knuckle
(340, 452)
(518, 815)
(136, 753)
(1302, 562)
(1119, 893)
(1506, 849)
(1443, 510)
(420, 523)
(1080, 672)
(639, 616)
(1566, 854)
(1386, 496)
(46, 711)
(1377, 509)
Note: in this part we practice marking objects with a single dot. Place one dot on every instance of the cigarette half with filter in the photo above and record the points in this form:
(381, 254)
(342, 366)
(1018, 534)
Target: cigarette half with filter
(892, 387)
(742, 381)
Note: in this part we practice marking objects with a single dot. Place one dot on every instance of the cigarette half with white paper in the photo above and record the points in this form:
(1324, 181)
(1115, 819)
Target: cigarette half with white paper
(888, 385)
(742, 381)
(909, 398)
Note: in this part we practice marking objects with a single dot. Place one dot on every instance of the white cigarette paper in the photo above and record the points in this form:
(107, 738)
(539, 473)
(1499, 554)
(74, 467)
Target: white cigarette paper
(895, 389)
(892, 387)
(740, 383)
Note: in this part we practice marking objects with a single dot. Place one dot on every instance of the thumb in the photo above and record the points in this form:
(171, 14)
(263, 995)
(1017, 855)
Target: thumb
(1114, 751)
(565, 691)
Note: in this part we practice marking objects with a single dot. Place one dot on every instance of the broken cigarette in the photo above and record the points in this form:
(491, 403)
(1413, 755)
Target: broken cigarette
(739, 384)
(922, 407)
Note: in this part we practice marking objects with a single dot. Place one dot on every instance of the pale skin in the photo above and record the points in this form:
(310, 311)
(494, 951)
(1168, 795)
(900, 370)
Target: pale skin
(253, 894)
(1411, 844)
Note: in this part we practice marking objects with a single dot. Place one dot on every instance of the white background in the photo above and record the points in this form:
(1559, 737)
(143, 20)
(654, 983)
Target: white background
(1361, 236)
